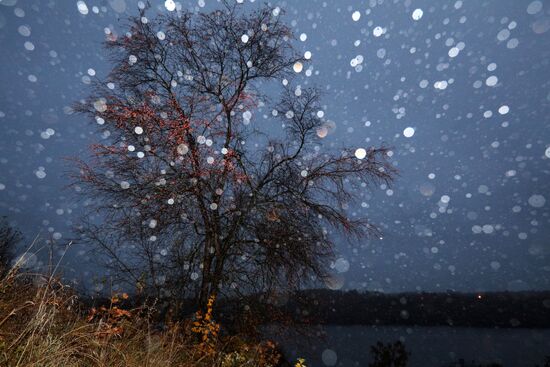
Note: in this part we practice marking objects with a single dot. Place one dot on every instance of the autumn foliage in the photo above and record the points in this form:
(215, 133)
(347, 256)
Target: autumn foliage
(43, 323)
(207, 329)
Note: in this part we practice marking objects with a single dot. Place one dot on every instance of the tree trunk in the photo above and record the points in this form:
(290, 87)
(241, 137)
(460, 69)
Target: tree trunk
(205, 288)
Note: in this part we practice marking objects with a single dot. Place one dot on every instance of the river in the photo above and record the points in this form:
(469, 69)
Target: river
(349, 346)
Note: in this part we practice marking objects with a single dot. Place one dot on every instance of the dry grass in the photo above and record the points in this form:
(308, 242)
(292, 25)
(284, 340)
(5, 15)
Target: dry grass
(42, 324)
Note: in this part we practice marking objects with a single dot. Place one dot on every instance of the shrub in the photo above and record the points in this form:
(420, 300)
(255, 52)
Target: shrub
(43, 323)
(389, 355)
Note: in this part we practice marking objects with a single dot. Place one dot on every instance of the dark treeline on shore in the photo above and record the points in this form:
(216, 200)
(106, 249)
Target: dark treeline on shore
(321, 306)
(492, 309)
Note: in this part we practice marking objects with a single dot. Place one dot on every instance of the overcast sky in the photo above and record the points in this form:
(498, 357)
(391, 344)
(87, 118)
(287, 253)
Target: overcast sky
(459, 89)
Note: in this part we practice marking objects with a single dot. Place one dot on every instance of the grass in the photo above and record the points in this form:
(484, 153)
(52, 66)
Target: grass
(42, 323)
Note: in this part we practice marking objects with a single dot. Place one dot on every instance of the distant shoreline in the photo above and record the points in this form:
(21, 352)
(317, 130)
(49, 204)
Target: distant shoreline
(426, 326)
(504, 310)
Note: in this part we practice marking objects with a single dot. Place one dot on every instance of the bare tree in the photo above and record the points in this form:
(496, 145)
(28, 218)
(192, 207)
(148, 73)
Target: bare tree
(9, 238)
(195, 189)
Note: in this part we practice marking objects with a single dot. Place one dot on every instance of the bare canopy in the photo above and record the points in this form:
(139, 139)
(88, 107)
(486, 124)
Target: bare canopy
(211, 175)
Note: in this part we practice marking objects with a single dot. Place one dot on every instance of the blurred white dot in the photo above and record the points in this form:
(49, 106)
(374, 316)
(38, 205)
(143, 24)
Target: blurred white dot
(503, 110)
(417, 14)
(503, 35)
(378, 31)
(182, 149)
(534, 7)
(360, 153)
(40, 173)
(491, 81)
(322, 132)
(356, 16)
(408, 132)
(170, 5)
(82, 7)
(341, 265)
(24, 30)
(453, 52)
(100, 105)
(513, 43)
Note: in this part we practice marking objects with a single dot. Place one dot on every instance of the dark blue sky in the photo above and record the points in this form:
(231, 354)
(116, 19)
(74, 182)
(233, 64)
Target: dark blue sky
(468, 79)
